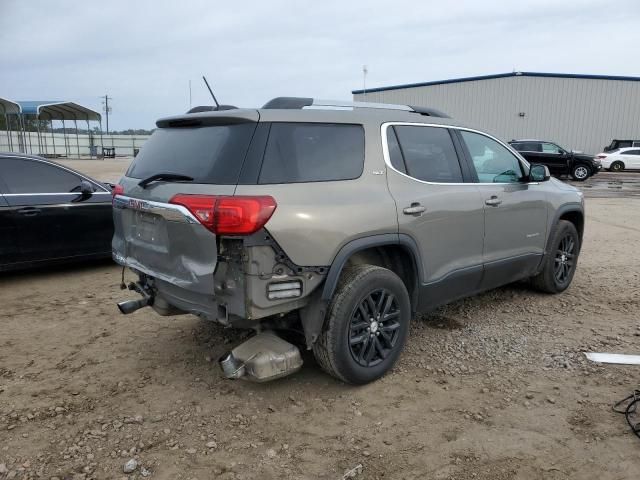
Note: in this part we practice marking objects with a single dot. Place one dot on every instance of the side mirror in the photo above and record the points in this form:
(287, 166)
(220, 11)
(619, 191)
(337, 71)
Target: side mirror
(539, 173)
(86, 189)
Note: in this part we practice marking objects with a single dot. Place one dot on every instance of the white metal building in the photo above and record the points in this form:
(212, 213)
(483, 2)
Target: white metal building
(579, 112)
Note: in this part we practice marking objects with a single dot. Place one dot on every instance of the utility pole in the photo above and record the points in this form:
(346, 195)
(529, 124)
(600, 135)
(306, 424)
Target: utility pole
(365, 70)
(107, 109)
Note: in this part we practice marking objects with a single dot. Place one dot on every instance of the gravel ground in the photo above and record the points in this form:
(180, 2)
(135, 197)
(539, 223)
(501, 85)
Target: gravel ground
(492, 387)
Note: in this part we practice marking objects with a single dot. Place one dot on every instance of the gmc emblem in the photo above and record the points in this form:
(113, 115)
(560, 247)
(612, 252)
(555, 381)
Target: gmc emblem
(138, 204)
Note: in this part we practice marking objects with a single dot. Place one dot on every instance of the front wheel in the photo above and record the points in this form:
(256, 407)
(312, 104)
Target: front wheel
(366, 327)
(559, 264)
(580, 173)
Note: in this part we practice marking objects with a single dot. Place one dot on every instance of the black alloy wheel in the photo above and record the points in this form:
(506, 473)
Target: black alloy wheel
(565, 259)
(374, 328)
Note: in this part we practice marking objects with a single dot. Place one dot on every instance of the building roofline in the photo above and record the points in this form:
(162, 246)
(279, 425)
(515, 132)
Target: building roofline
(499, 75)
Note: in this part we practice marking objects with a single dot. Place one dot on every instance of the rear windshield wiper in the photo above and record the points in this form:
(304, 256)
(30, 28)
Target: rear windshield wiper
(164, 176)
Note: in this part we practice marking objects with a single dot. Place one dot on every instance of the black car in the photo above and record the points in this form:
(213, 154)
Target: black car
(560, 161)
(50, 213)
(616, 144)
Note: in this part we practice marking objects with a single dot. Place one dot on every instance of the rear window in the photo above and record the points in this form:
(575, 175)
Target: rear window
(212, 154)
(312, 152)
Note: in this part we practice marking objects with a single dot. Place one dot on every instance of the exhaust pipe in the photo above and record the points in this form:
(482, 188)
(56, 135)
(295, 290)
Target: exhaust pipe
(263, 357)
(131, 306)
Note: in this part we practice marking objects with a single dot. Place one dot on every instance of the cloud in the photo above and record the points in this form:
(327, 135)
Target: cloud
(144, 53)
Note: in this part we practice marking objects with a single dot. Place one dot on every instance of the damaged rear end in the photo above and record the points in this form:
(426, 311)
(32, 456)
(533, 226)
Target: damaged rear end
(164, 208)
(199, 248)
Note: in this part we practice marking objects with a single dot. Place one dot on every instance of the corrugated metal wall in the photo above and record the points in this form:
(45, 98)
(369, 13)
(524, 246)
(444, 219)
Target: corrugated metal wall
(579, 114)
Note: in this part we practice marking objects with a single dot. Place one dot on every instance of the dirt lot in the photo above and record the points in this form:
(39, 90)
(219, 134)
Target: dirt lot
(492, 387)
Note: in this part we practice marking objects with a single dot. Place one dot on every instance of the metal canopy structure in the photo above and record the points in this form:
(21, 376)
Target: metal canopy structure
(57, 110)
(48, 111)
(7, 107)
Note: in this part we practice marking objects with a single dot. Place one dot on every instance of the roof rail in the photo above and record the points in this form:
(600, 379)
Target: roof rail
(299, 103)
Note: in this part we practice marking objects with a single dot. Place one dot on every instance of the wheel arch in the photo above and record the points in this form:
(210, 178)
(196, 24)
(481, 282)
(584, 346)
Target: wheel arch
(397, 252)
(572, 212)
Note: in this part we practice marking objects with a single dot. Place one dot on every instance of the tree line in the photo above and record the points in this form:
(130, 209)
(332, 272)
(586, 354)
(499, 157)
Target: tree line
(32, 124)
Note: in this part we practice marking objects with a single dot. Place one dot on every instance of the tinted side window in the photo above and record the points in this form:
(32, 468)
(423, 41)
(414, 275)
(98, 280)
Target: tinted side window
(429, 154)
(527, 147)
(395, 153)
(623, 144)
(492, 161)
(313, 152)
(633, 152)
(551, 148)
(30, 176)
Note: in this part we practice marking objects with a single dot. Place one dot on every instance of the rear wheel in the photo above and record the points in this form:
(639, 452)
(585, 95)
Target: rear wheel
(580, 172)
(561, 260)
(366, 326)
(616, 166)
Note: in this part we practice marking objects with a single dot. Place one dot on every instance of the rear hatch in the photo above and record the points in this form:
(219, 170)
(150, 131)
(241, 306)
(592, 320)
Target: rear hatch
(196, 154)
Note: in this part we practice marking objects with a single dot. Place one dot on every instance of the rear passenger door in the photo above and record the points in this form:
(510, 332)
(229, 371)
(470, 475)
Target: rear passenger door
(436, 208)
(631, 158)
(515, 219)
(8, 245)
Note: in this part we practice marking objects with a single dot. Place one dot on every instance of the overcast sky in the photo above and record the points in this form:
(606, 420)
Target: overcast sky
(143, 53)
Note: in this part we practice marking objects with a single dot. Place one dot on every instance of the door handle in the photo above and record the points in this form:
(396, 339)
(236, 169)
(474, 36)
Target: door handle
(29, 211)
(493, 201)
(414, 209)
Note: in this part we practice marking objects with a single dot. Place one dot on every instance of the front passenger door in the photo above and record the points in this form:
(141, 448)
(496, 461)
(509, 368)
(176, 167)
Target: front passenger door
(50, 218)
(555, 158)
(515, 211)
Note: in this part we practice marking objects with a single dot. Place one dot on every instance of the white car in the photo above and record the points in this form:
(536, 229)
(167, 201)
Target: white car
(618, 160)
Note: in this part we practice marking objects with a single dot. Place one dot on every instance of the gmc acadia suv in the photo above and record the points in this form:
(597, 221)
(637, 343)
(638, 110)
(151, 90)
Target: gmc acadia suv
(338, 221)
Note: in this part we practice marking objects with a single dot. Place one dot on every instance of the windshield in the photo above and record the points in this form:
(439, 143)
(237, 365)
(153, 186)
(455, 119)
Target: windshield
(207, 154)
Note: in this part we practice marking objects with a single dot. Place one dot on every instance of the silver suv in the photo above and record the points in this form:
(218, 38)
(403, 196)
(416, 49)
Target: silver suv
(334, 221)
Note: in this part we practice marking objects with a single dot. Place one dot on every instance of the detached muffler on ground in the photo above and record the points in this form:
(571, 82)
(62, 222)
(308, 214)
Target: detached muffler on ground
(262, 358)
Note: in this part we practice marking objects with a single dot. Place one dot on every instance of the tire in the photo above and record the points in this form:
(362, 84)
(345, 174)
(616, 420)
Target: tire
(559, 254)
(580, 172)
(616, 166)
(360, 350)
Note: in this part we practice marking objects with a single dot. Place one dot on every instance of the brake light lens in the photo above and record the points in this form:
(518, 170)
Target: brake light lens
(241, 215)
(601, 156)
(117, 190)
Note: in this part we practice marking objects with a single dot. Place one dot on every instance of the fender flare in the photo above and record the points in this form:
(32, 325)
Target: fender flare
(340, 260)
(566, 208)
(313, 314)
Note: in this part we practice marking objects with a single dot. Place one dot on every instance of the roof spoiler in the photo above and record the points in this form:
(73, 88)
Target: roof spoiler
(210, 118)
(211, 108)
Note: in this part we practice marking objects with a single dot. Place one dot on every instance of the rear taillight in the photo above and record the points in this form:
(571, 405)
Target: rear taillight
(241, 215)
(117, 190)
(601, 156)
